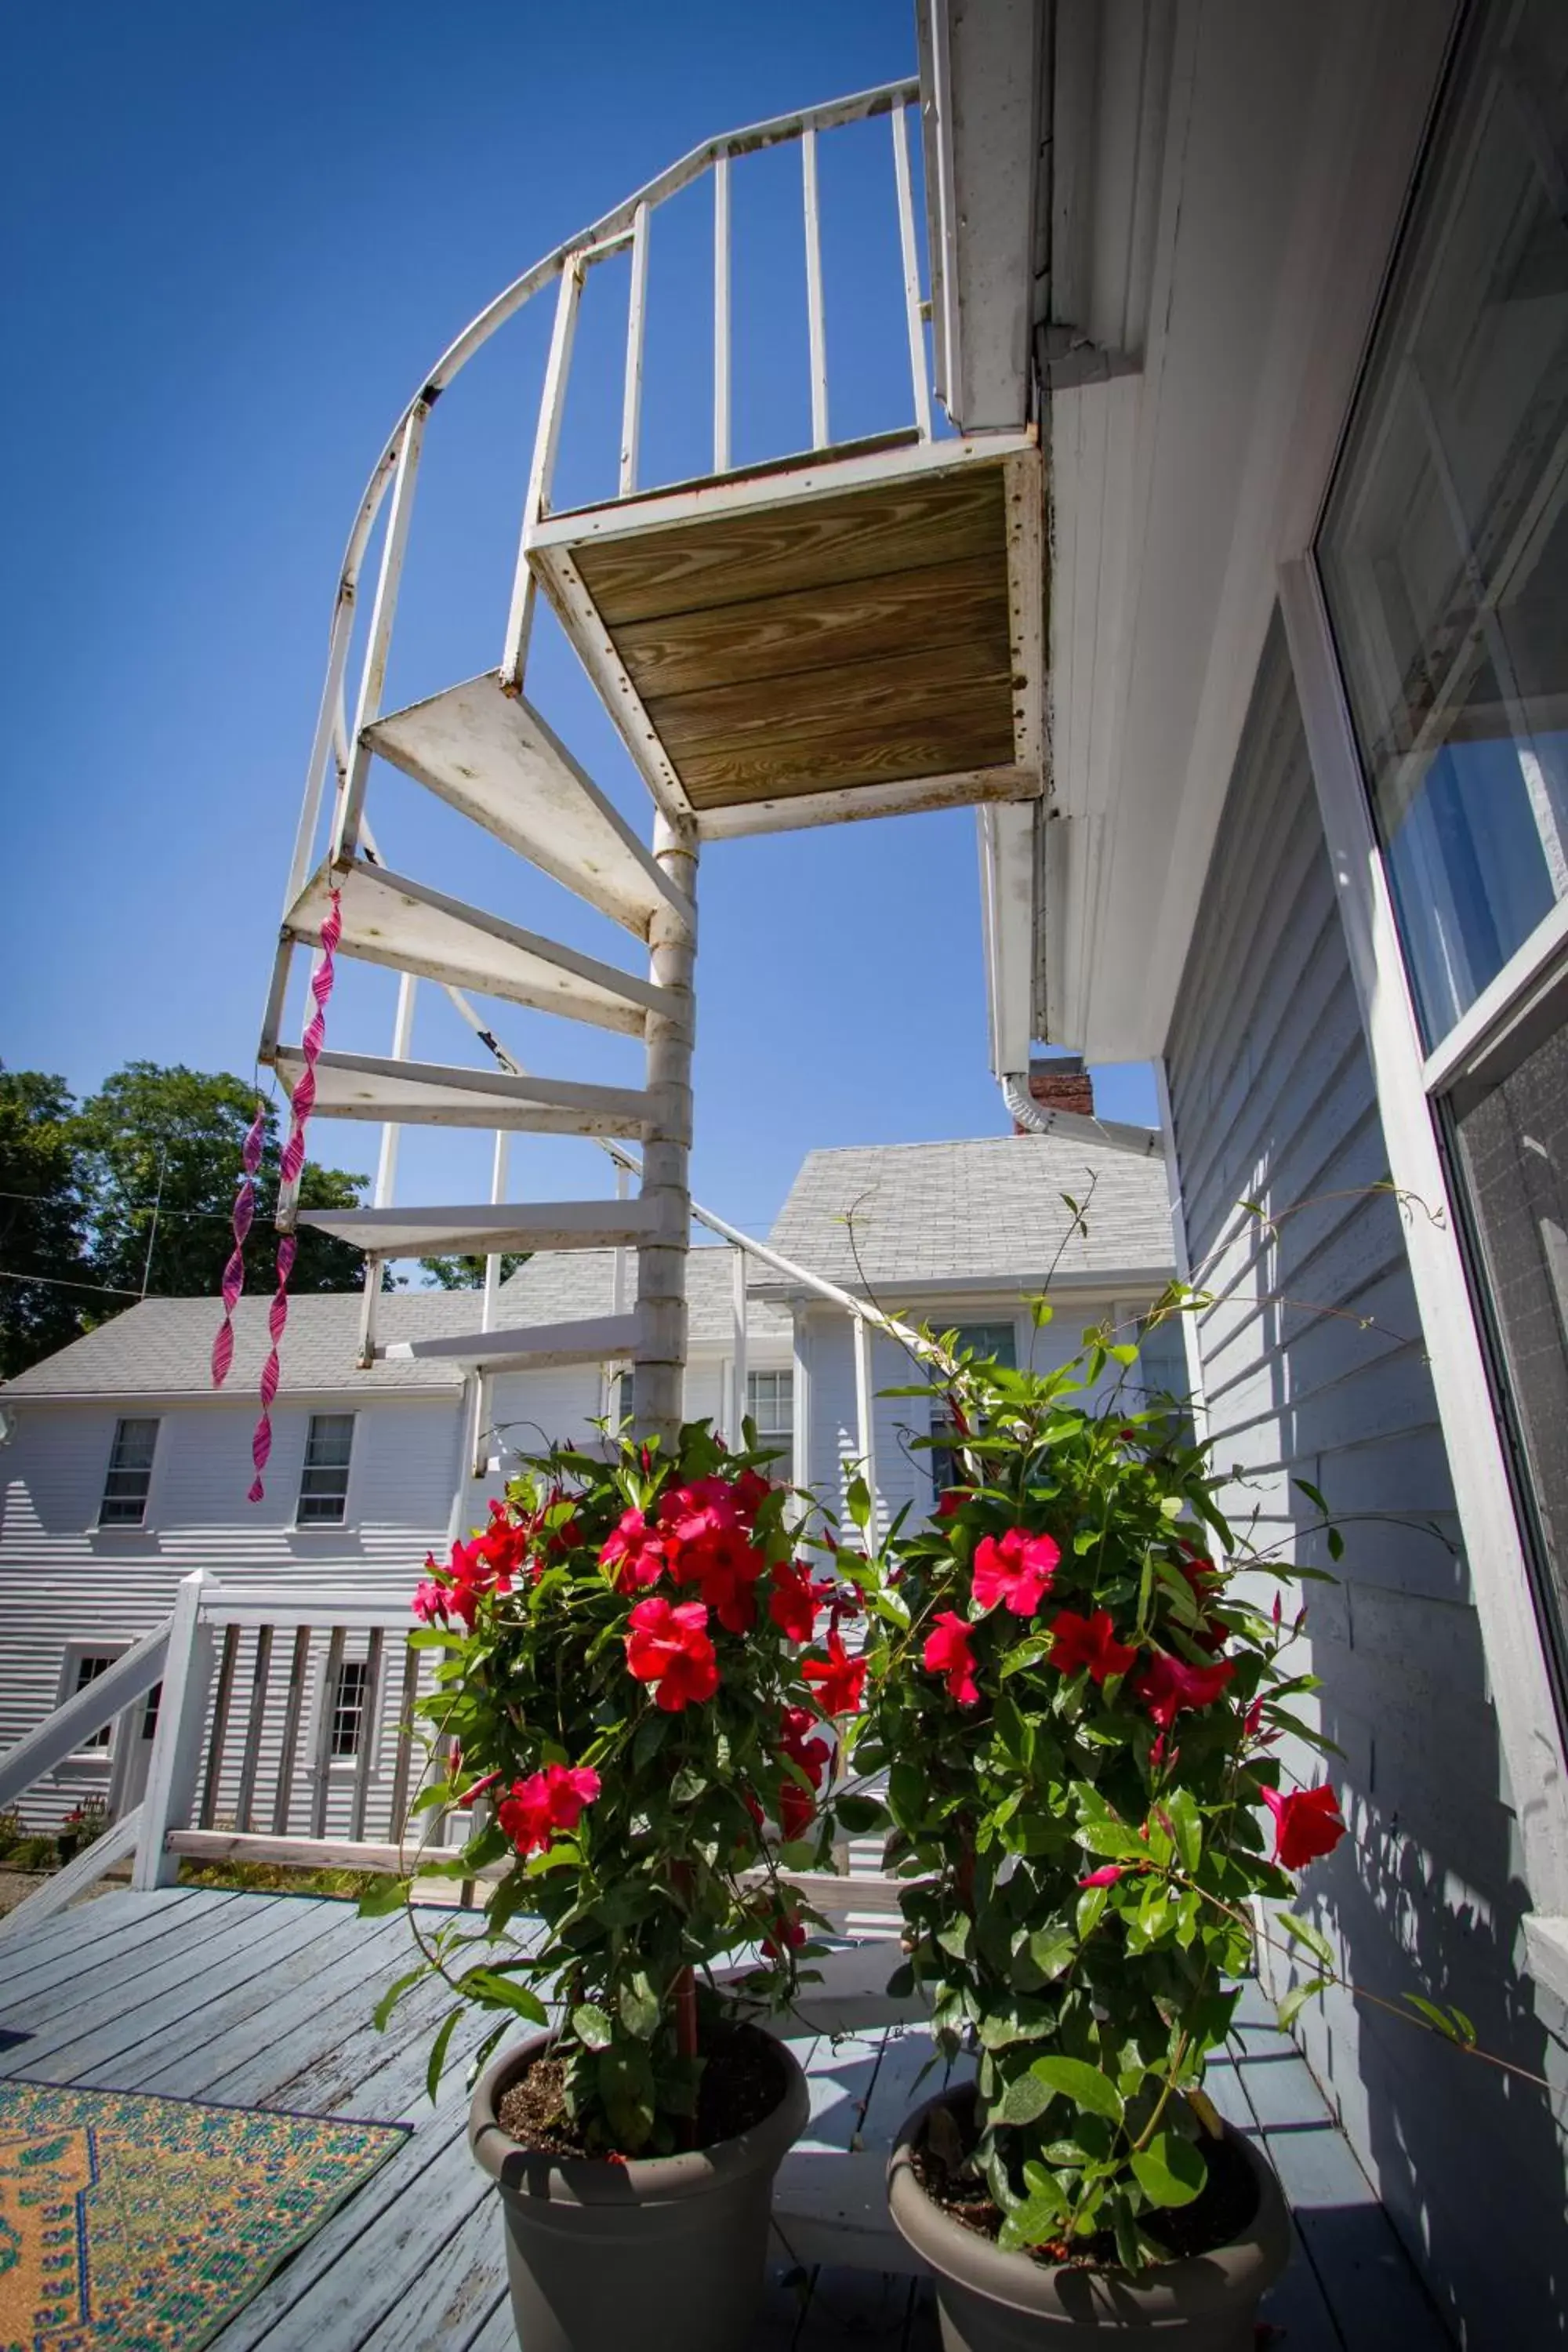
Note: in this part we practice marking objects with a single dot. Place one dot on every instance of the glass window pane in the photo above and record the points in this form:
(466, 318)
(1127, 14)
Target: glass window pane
(130, 1473)
(1514, 1147)
(1445, 551)
(324, 1481)
(349, 1705)
(87, 1670)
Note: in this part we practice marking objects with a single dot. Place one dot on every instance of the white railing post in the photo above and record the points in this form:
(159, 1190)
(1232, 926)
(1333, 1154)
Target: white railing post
(721, 314)
(813, 292)
(916, 324)
(631, 404)
(865, 1414)
(542, 472)
(660, 1353)
(386, 1172)
(378, 645)
(737, 1342)
(176, 1766)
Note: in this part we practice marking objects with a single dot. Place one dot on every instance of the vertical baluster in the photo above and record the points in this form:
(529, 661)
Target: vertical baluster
(261, 1673)
(323, 1761)
(217, 1738)
(919, 373)
(378, 643)
(542, 472)
(368, 1718)
(631, 405)
(293, 1711)
(404, 1756)
(813, 292)
(865, 1414)
(738, 1343)
(386, 1172)
(722, 315)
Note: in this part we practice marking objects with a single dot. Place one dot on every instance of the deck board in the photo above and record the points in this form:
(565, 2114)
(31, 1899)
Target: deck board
(265, 2000)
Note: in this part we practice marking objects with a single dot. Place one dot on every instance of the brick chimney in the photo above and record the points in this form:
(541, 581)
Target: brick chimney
(1060, 1084)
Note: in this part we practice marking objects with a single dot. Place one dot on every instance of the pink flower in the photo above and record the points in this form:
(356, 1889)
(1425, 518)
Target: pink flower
(1078, 1642)
(668, 1646)
(1016, 1570)
(1106, 1876)
(949, 1651)
(637, 1552)
(1306, 1823)
(546, 1802)
(1168, 1685)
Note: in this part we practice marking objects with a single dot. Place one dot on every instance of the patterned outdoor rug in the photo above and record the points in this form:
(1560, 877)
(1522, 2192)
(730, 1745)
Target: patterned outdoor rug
(146, 2223)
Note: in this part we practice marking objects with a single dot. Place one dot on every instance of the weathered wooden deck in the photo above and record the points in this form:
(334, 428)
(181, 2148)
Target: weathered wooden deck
(265, 2000)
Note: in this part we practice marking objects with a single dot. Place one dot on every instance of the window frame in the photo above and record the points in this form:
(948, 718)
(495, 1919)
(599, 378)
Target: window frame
(97, 1756)
(772, 1435)
(311, 1523)
(940, 1459)
(113, 1469)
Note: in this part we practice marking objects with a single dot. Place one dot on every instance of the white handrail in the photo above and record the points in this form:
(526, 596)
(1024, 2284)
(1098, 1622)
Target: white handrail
(88, 1711)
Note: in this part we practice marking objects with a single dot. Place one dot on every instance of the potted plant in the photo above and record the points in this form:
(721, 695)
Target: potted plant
(1076, 1705)
(642, 1716)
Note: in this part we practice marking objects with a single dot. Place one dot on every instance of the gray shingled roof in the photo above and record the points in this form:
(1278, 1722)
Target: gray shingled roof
(162, 1348)
(561, 1286)
(986, 1212)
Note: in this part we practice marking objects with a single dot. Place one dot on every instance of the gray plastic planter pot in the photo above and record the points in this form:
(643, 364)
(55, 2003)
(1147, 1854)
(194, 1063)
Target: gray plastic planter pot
(993, 2302)
(666, 2252)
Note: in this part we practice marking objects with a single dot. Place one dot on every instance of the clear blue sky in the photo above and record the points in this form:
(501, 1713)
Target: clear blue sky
(236, 236)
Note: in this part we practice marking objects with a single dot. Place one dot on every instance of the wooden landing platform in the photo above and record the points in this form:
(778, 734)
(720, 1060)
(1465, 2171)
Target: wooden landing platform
(265, 2000)
(862, 627)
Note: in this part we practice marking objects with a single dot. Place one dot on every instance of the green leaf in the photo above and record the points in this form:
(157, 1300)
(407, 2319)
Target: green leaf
(392, 1996)
(861, 1816)
(1031, 2223)
(499, 1993)
(1084, 2084)
(1170, 2170)
(438, 2051)
(1335, 1542)
(955, 1937)
(1052, 1949)
(386, 1894)
(688, 1785)
(857, 1502)
(1296, 1999)
(1111, 1839)
(1301, 1931)
(591, 2026)
(639, 2008)
(1023, 2100)
(1187, 1823)
(649, 1734)
(1312, 1494)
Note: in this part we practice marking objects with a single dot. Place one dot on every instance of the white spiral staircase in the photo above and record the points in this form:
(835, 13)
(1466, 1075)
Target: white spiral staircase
(851, 631)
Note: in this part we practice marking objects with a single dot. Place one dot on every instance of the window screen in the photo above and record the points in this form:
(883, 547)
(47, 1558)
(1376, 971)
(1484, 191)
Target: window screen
(125, 1488)
(324, 1484)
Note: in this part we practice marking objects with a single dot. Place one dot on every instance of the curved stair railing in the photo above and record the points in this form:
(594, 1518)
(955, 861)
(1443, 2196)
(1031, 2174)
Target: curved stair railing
(482, 747)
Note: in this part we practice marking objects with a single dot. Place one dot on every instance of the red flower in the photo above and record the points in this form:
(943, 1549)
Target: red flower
(949, 1501)
(948, 1652)
(751, 1491)
(471, 1795)
(1078, 1642)
(546, 1802)
(838, 1679)
(788, 1934)
(1016, 1571)
(1306, 1823)
(1167, 1684)
(795, 1599)
(637, 1552)
(430, 1602)
(1106, 1876)
(668, 1646)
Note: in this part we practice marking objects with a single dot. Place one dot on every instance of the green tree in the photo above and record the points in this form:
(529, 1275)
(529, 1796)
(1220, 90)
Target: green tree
(161, 1156)
(468, 1273)
(44, 1251)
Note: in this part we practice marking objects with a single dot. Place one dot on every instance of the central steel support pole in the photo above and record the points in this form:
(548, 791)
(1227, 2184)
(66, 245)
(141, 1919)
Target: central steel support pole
(666, 1174)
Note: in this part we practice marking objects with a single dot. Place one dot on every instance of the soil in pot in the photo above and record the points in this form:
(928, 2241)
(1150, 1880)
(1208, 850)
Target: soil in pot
(1220, 2212)
(743, 2080)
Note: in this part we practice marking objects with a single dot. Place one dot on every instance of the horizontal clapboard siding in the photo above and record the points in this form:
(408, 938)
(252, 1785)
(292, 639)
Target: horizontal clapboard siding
(1314, 1367)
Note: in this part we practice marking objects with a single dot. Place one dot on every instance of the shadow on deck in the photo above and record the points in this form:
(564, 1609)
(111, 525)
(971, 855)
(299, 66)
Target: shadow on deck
(265, 2000)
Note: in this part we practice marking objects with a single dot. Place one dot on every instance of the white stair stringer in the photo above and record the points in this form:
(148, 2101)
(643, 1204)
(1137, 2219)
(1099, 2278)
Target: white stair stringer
(389, 919)
(492, 1229)
(442, 1093)
(489, 755)
(541, 1346)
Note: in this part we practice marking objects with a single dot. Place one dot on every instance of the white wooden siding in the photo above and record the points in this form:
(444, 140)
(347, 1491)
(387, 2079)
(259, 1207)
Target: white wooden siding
(1273, 1101)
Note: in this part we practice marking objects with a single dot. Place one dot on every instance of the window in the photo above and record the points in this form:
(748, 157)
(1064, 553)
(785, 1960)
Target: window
(324, 1486)
(1444, 552)
(999, 1340)
(88, 1665)
(624, 1407)
(125, 1503)
(351, 1705)
(770, 1404)
(1444, 562)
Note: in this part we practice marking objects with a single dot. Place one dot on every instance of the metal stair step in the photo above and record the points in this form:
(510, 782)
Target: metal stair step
(540, 1345)
(489, 1229)
(489, 755)
(444, 1094)
(389, 919)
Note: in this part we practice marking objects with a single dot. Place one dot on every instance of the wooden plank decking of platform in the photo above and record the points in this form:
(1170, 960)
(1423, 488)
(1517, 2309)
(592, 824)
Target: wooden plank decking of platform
(265, 2000)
